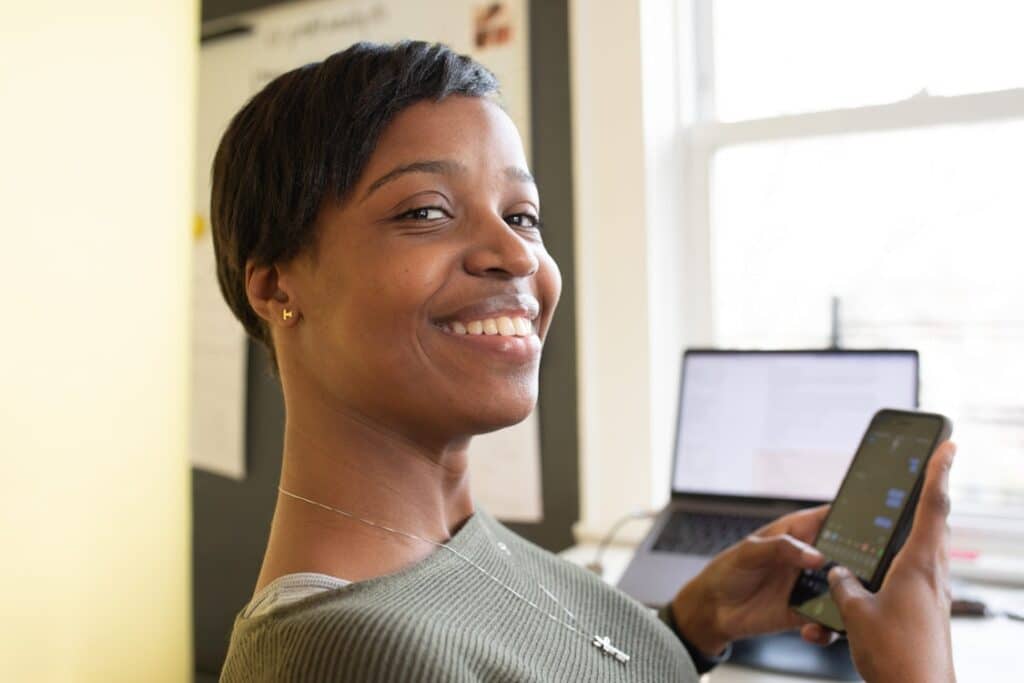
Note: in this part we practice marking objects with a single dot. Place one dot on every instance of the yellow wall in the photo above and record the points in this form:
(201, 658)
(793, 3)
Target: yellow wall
(96, 148)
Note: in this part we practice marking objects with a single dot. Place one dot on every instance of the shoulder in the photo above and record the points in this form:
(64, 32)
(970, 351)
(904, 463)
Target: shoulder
(339, 637)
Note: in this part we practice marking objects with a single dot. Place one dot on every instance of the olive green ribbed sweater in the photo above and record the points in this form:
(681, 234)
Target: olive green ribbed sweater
(441, 620)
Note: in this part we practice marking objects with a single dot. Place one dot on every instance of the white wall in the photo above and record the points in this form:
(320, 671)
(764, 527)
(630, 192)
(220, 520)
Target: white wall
(632, 280)
(95, 183)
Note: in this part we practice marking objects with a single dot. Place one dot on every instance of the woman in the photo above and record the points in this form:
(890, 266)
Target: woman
(377, 228)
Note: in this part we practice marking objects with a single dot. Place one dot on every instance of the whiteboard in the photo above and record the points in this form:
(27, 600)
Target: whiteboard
(235, 67)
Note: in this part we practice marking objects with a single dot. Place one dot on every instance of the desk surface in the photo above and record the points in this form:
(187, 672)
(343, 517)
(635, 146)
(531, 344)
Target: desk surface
(989, 650)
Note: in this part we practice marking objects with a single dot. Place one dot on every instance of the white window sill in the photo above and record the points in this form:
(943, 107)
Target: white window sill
(988, 548)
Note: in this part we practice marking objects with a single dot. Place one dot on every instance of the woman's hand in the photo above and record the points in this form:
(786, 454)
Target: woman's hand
(744, 591)
(901, 633)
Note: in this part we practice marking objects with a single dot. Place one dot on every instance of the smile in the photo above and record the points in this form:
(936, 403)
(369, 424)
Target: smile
(502, 326)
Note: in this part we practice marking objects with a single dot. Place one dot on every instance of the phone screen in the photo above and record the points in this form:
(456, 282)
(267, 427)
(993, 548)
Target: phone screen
(867, 511)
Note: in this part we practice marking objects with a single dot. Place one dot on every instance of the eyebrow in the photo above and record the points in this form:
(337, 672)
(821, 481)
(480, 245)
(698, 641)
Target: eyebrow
(441, 167)
(516, 173)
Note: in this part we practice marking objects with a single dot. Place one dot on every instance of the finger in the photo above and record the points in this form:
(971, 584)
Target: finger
(929, 533)
(782, 549)
(847, 591)
(805, 524)
(818, 634)
(802, 524)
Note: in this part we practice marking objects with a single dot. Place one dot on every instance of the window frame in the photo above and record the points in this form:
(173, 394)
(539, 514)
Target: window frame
(703, 136)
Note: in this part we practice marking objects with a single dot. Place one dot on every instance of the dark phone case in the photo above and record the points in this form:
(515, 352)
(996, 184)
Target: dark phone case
(802, 591)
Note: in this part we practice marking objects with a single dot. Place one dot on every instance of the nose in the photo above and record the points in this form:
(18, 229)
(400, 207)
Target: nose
(497, 249)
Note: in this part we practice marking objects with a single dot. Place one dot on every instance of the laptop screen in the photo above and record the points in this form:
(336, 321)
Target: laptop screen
(781, 424)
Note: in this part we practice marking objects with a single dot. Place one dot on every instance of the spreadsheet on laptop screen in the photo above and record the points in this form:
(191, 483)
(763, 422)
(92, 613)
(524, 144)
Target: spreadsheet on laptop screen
(781, 425)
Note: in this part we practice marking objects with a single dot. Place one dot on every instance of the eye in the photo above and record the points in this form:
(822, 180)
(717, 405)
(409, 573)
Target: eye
(524, 220)
(424, 213)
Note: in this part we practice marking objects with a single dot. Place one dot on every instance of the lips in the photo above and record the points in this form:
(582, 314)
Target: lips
(504, 326)
(513, 305)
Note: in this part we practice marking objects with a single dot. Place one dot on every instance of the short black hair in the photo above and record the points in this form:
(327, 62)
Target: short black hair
(308, 135)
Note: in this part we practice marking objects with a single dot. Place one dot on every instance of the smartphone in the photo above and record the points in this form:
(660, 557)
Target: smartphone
(872, 513)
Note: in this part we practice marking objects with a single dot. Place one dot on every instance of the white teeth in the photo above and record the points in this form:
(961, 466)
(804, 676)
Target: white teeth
(504, 326)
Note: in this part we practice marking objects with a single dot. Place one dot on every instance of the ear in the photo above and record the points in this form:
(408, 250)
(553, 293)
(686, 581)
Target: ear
(270, 295)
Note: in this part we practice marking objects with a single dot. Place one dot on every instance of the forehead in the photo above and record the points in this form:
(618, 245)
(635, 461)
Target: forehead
(471, 130)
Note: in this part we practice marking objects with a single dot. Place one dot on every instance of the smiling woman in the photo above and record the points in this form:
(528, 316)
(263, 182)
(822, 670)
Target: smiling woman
(436, 231)
(377, 227)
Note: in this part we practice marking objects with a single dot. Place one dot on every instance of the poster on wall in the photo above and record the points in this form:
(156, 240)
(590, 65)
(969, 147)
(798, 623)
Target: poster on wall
(234, 67)
(218, 360)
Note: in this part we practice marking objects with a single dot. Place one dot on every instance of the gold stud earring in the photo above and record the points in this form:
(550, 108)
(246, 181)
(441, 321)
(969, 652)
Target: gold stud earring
(285, 314)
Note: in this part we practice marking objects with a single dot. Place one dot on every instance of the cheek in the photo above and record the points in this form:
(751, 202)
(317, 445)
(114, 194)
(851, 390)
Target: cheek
(371, 317)
(406, 282)
(389, 295)
(549, 281)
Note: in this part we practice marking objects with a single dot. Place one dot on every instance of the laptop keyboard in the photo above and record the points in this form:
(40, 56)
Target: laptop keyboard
(704, 533)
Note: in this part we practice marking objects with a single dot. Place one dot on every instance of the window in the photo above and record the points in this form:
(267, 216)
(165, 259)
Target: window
(872, 154)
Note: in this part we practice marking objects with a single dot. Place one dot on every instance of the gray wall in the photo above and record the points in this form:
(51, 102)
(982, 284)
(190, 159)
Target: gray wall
(231, 519)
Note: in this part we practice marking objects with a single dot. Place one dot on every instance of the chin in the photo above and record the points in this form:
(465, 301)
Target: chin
(495, 414)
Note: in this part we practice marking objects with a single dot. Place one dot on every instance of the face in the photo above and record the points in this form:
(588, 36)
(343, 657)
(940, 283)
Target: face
(431, 293)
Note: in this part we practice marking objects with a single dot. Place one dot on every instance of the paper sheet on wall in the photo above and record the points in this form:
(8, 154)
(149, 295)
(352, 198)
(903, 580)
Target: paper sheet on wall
(234, 68)
(218, 387)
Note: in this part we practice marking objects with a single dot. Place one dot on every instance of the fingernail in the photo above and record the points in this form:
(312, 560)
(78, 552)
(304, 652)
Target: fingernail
(812, 554)
(838, 573)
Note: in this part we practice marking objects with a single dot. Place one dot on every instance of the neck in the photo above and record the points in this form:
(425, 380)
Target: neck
(344, 460)
(373, 473)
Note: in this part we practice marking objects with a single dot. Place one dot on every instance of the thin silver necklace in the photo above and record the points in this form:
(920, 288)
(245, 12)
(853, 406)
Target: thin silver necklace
(603, 643)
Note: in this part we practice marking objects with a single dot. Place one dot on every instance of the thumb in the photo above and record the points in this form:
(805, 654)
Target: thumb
(929, 534)
(847, 591)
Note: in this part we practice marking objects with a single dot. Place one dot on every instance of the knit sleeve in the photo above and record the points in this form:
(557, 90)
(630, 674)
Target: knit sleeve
(344, 645)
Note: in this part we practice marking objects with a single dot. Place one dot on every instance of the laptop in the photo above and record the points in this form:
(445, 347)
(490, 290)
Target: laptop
(760, 434)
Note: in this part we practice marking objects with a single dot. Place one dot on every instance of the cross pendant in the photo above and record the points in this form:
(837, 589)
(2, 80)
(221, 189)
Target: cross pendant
(605, 643)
